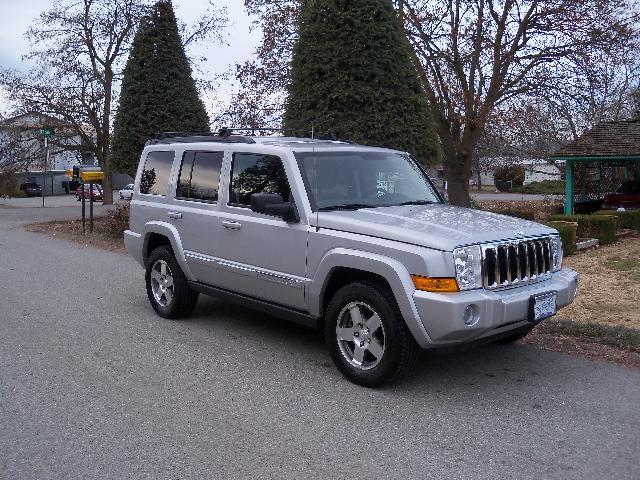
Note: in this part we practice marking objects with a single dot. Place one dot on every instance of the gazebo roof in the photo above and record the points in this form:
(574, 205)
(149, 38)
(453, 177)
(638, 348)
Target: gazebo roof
(609, 139)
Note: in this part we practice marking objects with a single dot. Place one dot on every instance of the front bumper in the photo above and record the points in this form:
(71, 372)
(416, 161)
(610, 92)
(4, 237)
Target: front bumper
(497, 311)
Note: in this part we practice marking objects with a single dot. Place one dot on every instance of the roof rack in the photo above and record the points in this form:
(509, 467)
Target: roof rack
(192, 137)
(226, 131)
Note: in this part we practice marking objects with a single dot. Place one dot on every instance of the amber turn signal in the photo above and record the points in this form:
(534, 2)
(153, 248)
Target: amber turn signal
(429, 284)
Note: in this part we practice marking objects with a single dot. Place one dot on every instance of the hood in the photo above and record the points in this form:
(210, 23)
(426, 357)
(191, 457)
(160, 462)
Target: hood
(438, 226)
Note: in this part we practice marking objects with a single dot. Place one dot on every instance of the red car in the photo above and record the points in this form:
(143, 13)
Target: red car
(96, 193)
(627, 196)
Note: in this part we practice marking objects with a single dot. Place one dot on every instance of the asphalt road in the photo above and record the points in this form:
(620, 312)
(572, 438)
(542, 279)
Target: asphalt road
(94, 385)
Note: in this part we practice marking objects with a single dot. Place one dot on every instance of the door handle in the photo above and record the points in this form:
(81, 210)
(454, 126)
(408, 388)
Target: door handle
(231, 225)
(176, 215)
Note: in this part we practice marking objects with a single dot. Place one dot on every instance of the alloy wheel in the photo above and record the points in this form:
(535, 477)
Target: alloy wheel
(360, 335)
(162, 283)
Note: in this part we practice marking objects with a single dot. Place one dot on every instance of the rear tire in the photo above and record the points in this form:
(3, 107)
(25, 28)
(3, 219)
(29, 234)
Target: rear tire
(367, 337)
(167, 287)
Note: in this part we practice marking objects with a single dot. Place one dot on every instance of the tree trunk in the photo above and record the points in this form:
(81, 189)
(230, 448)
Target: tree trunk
(458, 190)
(458, 175)
(107, 194)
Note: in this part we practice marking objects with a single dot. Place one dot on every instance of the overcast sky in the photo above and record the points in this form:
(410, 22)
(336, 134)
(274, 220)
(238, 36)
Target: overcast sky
(240, 41)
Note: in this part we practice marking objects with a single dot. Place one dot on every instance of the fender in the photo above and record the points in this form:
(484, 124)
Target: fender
(393, 271)
(171, 232)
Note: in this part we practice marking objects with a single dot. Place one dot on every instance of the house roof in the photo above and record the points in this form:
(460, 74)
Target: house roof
(608, 139)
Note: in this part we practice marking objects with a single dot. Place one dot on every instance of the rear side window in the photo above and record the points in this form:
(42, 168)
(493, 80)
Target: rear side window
(200, 176)
(155, 174)
(255, 173)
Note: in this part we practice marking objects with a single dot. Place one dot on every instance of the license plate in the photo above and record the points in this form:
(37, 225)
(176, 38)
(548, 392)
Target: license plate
(542, 306)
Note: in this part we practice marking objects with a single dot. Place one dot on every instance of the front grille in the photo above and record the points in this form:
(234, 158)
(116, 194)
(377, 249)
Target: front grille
(516, 262)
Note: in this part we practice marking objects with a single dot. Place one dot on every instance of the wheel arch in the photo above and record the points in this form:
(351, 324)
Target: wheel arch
(341, 266)
(161, 233)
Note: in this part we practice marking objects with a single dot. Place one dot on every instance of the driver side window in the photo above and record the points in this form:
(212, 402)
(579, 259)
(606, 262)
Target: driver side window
(256, 173)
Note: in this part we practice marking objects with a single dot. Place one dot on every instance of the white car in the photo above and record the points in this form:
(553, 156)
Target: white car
(127, 192)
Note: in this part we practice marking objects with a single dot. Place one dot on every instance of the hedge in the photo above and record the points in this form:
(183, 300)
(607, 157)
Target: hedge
(567, 234)
(628, 219)
(603, 227)
(581, 220)
(524, 214)
(592, 226)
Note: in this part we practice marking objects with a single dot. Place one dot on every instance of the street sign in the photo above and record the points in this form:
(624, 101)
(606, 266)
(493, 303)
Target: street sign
(48, 132)
(91, 176)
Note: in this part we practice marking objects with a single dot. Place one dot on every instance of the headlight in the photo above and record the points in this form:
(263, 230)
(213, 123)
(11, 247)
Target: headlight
(468, 264)
(556, 253)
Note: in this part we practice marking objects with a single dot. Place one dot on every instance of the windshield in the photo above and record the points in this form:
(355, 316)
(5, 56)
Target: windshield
(352, 180)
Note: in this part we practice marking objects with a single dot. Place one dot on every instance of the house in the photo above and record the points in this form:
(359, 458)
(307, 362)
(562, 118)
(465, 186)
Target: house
(22, 144)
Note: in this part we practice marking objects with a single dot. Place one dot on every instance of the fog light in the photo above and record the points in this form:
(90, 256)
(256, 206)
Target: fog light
(470, 315)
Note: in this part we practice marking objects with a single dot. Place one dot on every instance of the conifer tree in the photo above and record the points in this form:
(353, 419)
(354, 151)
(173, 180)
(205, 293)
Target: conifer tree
(352, 75)
(158, 91)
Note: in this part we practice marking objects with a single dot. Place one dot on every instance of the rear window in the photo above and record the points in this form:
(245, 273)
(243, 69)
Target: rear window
(155, 174)
(200, 176)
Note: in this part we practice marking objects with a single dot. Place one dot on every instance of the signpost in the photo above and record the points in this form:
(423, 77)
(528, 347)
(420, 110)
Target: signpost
(47, 132)
(91, 177)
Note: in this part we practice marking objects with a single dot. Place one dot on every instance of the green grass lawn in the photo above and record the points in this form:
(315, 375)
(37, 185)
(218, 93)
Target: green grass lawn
(545, 187)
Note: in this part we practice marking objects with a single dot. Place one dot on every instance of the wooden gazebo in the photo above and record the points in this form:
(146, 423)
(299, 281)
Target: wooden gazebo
(598, 162)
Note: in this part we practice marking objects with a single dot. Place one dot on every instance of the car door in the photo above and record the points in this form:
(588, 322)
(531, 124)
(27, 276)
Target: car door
(195, 211)
(262, 256)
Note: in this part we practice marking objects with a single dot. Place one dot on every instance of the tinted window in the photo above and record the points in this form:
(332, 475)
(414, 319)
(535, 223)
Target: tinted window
(254, 173)
(629, 187)
(155, 175)
(200, 176)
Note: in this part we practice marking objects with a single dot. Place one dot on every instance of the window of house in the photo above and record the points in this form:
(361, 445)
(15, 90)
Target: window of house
(256, 173)
(200, 176)
(155, 174)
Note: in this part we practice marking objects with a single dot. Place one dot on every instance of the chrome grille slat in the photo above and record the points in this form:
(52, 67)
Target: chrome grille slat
(511, 263)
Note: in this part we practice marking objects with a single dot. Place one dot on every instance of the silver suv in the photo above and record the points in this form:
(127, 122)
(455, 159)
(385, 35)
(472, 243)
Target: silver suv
(350, 239)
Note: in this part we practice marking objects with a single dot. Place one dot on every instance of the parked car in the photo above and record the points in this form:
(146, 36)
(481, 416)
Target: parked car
(350, 239)
(626, 196)
(84, 190)
(31, 189)
(127, 192)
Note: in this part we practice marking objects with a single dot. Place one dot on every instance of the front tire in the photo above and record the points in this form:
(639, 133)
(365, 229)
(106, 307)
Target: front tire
(167, 287)
(367, 337)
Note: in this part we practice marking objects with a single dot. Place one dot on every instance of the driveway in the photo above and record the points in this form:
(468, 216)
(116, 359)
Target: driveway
(94, 385)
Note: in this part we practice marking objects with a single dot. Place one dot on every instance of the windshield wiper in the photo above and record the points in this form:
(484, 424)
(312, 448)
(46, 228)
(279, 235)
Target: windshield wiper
(347, 206)
(417, 202)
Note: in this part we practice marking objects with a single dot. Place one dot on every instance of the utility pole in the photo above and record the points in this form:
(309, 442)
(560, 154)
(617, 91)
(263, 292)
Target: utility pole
(47, 132)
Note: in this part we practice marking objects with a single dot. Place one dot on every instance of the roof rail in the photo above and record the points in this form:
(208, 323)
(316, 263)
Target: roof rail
(192, 137)
(226, 131)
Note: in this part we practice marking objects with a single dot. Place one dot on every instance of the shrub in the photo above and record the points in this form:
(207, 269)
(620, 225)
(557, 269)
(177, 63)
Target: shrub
(545, 187)
(117, 221)
(524, 214)
(592, 226)
(583, 230)
(510, 173)
(628, 219)
(603, 227)
(567, 231)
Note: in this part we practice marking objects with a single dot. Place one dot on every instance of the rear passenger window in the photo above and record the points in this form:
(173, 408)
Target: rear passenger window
(200, 176)
(255, 173)
(155, 174)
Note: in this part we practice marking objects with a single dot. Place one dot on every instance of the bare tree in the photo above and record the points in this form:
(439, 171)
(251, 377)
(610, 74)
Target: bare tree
(78, 50)
(475, 58)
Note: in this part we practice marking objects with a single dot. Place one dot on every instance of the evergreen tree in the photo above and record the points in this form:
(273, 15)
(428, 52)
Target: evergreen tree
(352, 74)
(158, 92)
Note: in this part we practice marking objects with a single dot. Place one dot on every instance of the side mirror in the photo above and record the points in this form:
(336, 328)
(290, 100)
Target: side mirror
(272, 204)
